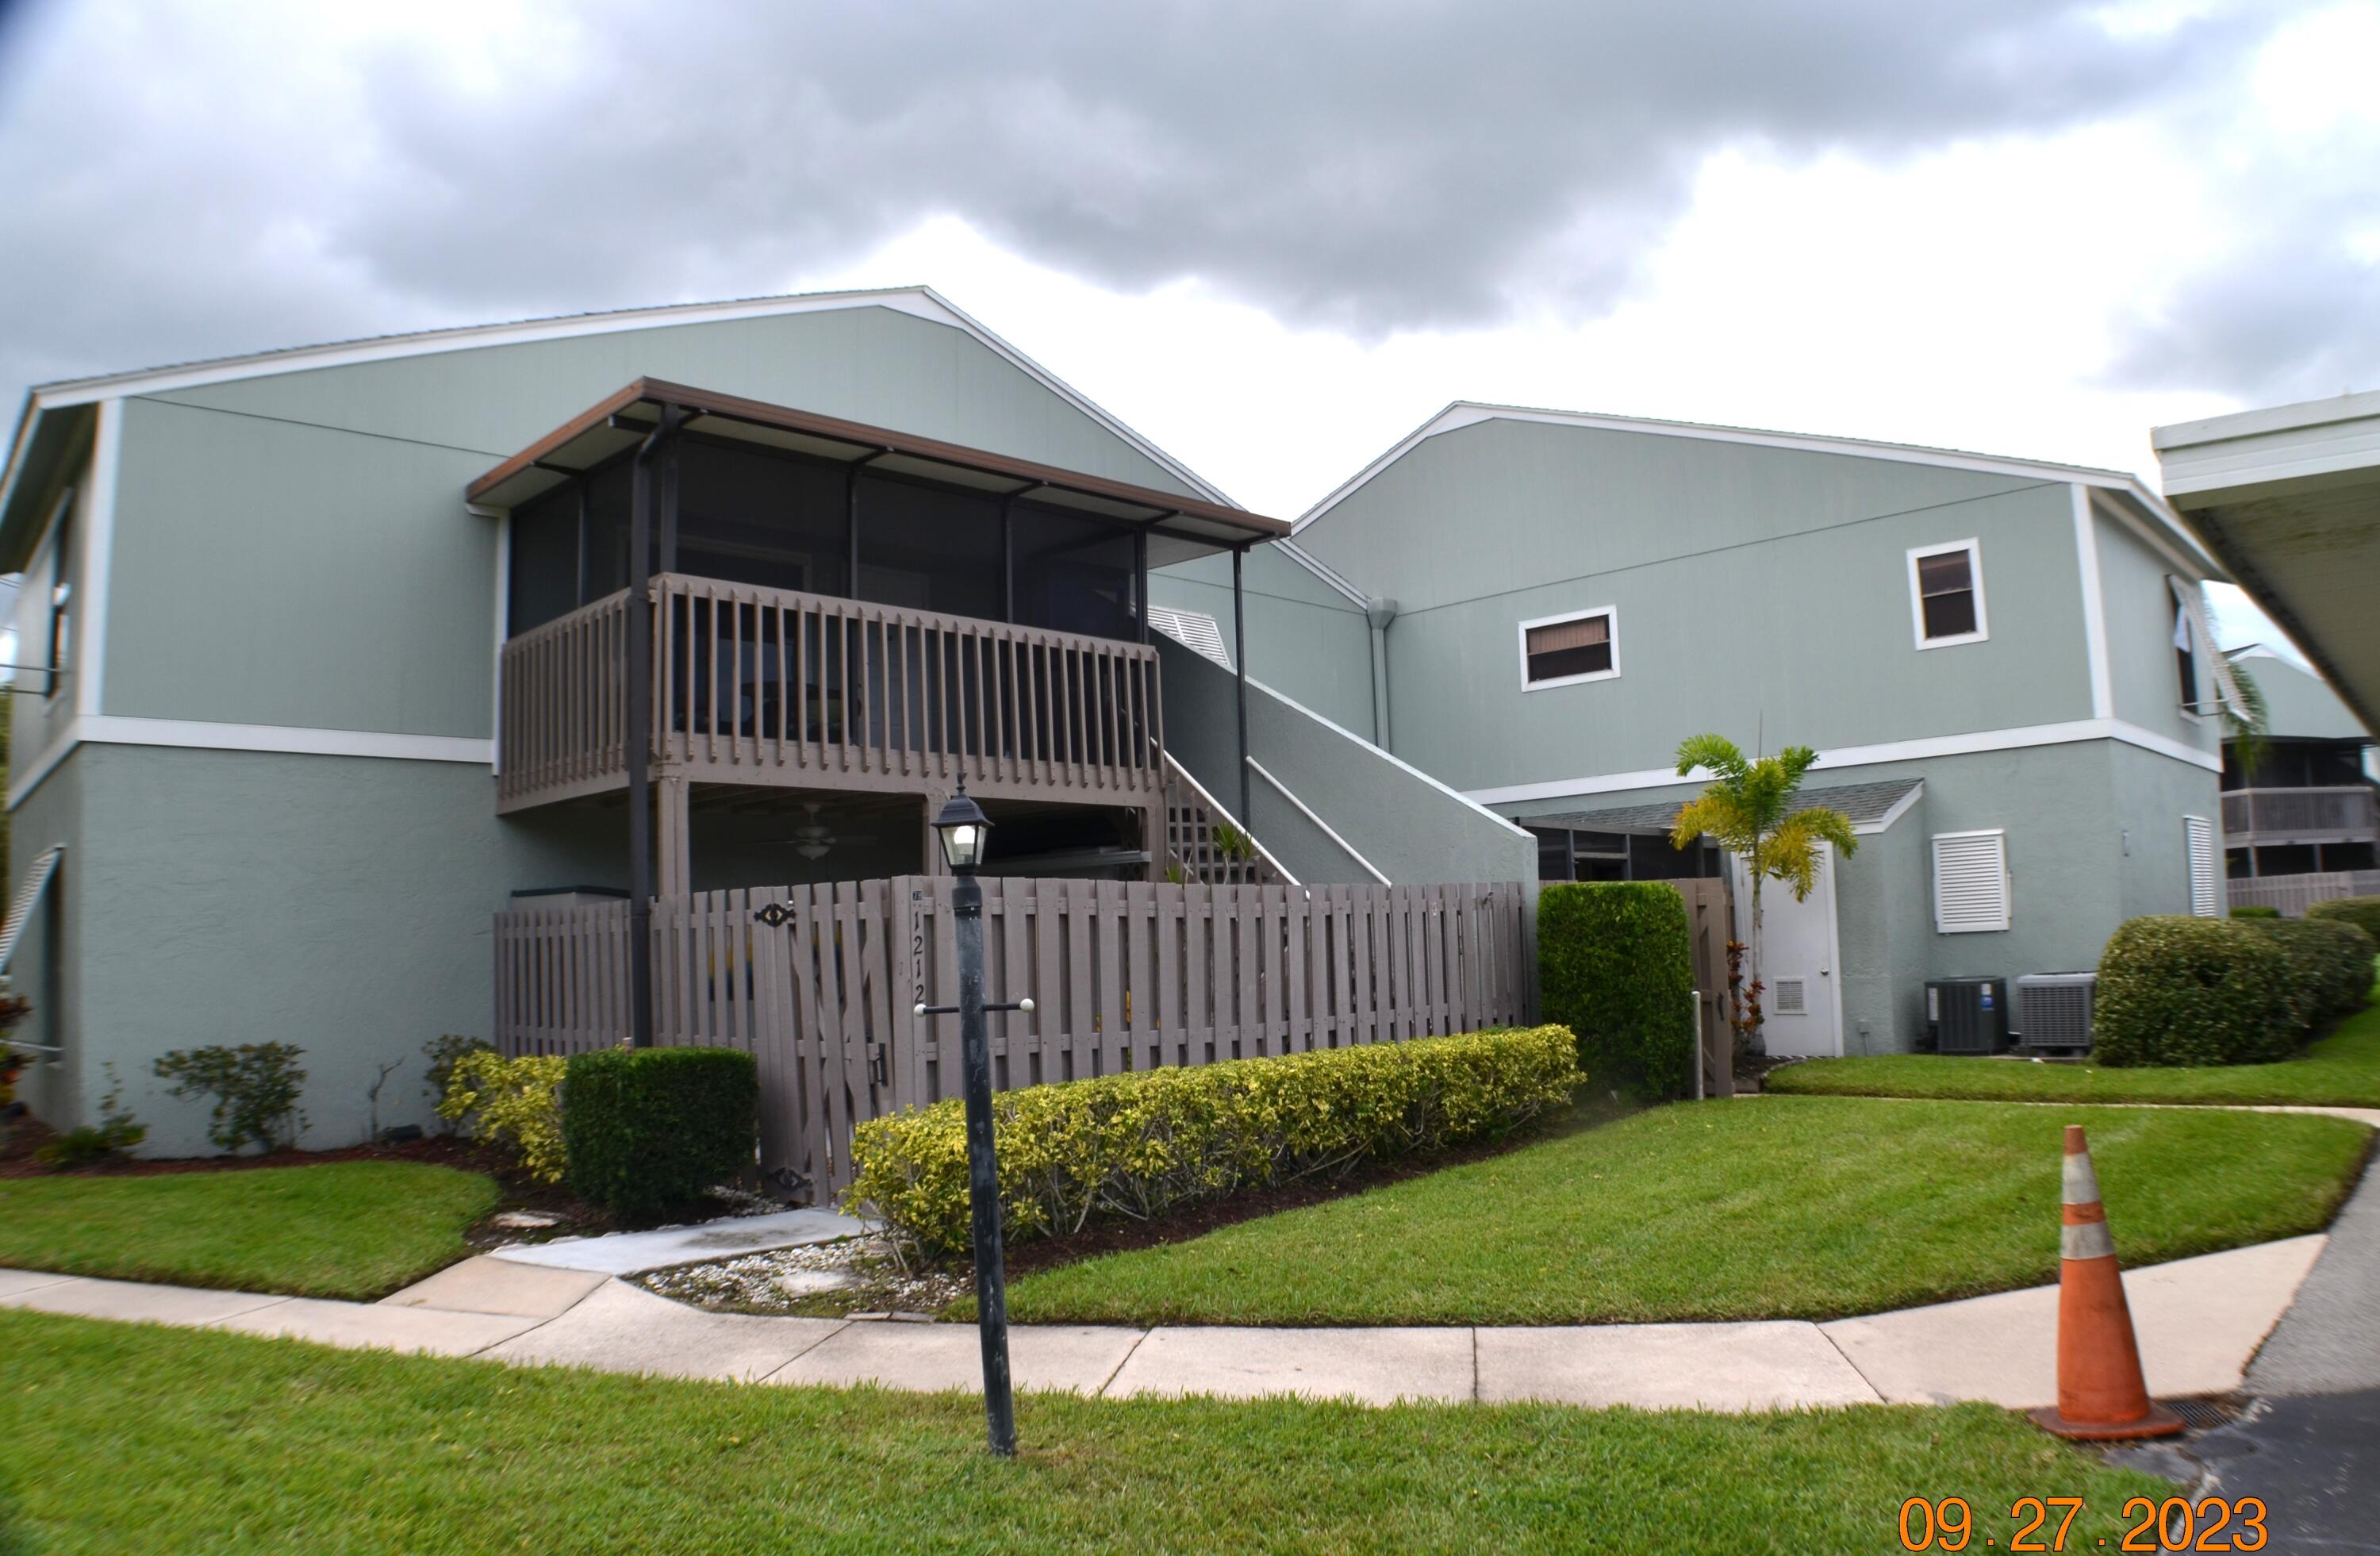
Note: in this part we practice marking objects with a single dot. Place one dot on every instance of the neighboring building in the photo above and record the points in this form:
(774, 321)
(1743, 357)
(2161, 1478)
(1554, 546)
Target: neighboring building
(2005, 665)
(2308, 809)
(339, 648)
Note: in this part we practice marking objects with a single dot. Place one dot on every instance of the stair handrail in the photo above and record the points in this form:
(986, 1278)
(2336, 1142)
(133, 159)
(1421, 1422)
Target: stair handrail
(1174, 769)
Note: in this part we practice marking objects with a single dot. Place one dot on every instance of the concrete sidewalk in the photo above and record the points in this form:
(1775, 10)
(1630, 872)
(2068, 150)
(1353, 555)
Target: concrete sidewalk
(2200, 1321)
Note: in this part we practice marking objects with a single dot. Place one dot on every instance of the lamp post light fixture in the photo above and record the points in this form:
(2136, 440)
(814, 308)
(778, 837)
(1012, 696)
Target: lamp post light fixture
(964, 830)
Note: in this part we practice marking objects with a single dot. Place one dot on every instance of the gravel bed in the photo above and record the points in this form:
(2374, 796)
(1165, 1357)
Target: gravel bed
(819, 1280)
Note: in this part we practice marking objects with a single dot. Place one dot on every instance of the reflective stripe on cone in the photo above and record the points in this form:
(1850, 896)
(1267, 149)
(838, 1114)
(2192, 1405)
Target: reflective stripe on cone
(2101, 1391)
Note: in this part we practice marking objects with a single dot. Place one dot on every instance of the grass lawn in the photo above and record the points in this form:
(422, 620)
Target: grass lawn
(134, 1439)
(1796, 1207)
(2342, 1070)
(345, 1229)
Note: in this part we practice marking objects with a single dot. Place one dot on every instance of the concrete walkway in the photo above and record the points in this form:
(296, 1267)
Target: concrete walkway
(2200, 1320)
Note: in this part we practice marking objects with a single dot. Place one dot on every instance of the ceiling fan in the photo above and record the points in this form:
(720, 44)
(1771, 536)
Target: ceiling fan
(813, 838)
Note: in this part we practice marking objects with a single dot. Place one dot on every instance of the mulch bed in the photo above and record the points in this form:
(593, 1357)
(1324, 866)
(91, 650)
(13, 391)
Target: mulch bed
(25, 1135)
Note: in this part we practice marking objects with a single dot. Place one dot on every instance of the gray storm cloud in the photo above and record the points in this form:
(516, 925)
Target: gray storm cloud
(190, 181)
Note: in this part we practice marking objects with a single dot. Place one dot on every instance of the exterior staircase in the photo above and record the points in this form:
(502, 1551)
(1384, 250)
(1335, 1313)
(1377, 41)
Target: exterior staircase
(1204, 844)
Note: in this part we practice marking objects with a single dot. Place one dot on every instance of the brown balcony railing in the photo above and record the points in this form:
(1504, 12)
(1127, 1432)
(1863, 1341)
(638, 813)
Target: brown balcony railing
(2342, 814)
(775, 686)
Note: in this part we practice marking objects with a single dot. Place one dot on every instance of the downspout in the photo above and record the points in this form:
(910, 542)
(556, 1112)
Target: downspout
(1240, 668)
(1379, 612)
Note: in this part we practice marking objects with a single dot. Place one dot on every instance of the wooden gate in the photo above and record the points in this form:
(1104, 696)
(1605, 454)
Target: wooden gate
(1123, 976)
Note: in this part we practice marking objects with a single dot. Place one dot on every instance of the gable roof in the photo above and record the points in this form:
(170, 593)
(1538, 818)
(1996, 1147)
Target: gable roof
(43, 434)
(2153, 509)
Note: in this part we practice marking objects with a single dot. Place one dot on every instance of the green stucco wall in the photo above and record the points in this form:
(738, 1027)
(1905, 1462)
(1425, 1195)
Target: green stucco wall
(1756, 588)
(340, 903)
(1409, 828)
(2067, 809)
(1306, 639)
(294, 551)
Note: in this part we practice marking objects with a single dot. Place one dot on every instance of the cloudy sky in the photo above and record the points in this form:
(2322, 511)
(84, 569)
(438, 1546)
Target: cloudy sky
(1273, 237)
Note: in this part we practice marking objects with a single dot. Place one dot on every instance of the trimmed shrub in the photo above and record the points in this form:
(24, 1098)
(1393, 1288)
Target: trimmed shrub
(516, 1103)
(2330, 965)
(1615, 965)
(1148, 1142)
(646, 1129)
(2252, 912)
(2362, 912)
(255, 1087)
(2179, 989)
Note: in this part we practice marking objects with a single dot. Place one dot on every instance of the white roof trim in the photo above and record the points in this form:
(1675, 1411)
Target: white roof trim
(1321, 570)
(1470, 413)
(922, 303)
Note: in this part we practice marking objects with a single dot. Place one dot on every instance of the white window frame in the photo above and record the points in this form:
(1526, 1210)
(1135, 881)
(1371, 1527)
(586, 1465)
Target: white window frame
(2193, 828)
(1974, 549)
(1611, 612)
(2008, 885)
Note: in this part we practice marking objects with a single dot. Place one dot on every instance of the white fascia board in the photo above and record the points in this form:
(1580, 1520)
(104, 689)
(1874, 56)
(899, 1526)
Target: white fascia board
(1899, 808)
(284, 739)
(922, 303)
(1322, 570)
(98, 553)
(2265, 419)
(1470, 413)
(2094, 605)
(1868, 756)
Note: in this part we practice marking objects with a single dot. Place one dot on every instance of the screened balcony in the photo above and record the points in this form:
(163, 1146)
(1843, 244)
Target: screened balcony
(719, 591)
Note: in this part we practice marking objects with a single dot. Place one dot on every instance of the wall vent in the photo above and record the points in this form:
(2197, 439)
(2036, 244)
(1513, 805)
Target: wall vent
(1793, 997)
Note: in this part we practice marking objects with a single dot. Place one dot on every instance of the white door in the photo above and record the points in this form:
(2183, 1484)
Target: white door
(1803, 1017)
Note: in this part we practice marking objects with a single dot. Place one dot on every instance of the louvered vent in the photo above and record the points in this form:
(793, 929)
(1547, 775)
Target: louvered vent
(1793, 996)
(1195, 630)
(1971, 882)
(2199, 834)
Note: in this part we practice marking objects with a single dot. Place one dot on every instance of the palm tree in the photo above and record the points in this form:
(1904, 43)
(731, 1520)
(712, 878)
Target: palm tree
(1748, 809)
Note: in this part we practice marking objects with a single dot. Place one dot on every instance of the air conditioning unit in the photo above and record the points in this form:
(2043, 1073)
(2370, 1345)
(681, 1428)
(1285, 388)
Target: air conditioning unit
(2053, 1010)
(1966, 1014)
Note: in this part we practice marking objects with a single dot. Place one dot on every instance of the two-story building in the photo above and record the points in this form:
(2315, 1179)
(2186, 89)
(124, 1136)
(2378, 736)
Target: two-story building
(2305, 824)
(2005, 664)
(346, 648)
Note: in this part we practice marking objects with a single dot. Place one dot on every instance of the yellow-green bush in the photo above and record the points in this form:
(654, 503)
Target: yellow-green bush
(1151, 1141)
(513, 1103)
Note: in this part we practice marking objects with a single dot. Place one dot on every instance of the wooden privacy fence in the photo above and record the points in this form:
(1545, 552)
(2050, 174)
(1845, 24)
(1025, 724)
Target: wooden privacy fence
(1123, 976)
(1711, 924)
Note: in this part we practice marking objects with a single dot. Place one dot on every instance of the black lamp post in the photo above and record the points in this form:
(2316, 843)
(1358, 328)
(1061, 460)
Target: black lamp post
(963, 829)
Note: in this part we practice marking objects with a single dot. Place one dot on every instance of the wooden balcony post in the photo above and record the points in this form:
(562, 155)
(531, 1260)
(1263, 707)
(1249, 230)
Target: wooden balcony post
(675, 872)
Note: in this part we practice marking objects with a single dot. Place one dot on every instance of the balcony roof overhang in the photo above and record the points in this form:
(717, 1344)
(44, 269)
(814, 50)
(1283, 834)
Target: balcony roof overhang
(2290, 498)
(1180, 526)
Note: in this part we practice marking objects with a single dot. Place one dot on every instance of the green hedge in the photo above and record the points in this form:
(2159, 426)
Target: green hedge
(2177, 989)
(2362, 912)
(1615, 965)
(2246, 911)
(646, 1129)
(2330, 965)
(1148, 1142)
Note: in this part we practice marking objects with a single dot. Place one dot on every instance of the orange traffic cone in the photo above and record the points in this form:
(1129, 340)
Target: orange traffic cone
(2101, 1393)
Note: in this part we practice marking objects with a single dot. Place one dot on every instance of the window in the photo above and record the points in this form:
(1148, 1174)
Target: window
(1564, 650)
(1945, 594)
(2198, 837)
(61, 602)
(1971, 882)
(2185, 653)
